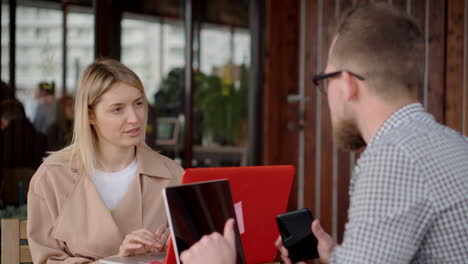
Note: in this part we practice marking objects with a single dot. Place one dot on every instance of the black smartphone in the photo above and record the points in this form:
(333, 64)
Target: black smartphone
(297, 236)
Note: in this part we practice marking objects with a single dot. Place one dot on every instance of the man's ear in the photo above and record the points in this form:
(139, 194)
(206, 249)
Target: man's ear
(351, 90)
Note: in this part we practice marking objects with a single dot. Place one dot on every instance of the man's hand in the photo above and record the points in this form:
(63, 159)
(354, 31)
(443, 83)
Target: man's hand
(325, 246)
(214, 248)
(283, 251)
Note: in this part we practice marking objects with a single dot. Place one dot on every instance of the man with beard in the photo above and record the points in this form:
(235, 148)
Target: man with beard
(408, 192)
(409, 189)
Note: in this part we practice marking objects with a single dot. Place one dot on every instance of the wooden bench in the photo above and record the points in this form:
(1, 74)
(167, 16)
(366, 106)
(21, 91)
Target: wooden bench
(13, 231)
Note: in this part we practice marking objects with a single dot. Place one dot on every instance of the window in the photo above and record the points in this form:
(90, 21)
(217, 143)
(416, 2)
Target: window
(222, 86)
(215, 48)
(145, 46)
(80, 45)
(5, 42)
(241, 47)
(43, 52)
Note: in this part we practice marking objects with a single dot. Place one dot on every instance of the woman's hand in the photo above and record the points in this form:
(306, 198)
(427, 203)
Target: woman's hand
(162, 235)
(140, 242)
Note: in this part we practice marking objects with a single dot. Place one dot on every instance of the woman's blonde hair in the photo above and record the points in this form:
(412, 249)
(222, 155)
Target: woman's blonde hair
(96, 80)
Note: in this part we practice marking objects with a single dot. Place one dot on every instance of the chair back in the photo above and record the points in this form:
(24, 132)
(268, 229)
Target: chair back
(13, 252)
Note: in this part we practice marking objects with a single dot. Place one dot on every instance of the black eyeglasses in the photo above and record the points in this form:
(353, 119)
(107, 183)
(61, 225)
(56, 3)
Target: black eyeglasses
(322, 79)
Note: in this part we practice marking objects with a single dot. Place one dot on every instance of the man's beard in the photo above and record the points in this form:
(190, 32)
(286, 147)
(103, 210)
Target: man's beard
(347, 136)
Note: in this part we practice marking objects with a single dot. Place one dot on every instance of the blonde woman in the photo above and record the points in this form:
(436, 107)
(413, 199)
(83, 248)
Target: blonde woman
(101, 196)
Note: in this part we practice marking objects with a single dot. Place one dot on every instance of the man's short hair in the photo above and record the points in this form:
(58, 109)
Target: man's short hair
(383, 45)
(12, 109)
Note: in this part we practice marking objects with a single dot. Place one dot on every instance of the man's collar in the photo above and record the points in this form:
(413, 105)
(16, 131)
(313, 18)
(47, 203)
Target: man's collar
(398, 117)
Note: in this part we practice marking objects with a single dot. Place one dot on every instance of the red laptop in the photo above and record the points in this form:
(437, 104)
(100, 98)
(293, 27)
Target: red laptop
(259, 194)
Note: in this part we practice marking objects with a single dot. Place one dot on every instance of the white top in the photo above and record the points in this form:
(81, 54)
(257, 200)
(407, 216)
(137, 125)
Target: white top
(112, 186)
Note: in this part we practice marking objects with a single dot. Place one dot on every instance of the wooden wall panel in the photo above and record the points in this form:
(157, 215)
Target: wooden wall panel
(436, 59)
(418, 12)
(400, 4)
(326, 153)
(311, 44)
(381, 1)
(464, 116)
(281, 79)
(463, 90)
(358, 2)
(454, 79)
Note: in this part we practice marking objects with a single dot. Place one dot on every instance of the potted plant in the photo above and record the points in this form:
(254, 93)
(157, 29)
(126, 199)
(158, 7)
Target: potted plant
(223, 106)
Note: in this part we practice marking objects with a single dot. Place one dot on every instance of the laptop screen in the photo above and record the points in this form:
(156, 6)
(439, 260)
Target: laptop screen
(259, 193)
(198, 209)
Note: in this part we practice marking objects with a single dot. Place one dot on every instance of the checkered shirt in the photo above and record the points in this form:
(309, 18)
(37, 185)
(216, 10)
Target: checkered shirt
(409, 195)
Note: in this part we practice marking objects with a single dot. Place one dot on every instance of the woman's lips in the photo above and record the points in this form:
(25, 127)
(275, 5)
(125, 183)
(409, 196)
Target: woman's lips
(133, 132)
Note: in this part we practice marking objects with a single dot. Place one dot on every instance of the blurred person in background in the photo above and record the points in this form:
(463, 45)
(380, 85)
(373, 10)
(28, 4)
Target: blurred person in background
(45, 109)
(59, 133)
(22, 145)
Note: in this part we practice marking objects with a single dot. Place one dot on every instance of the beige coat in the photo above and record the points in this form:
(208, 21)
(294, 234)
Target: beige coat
(68, 221)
